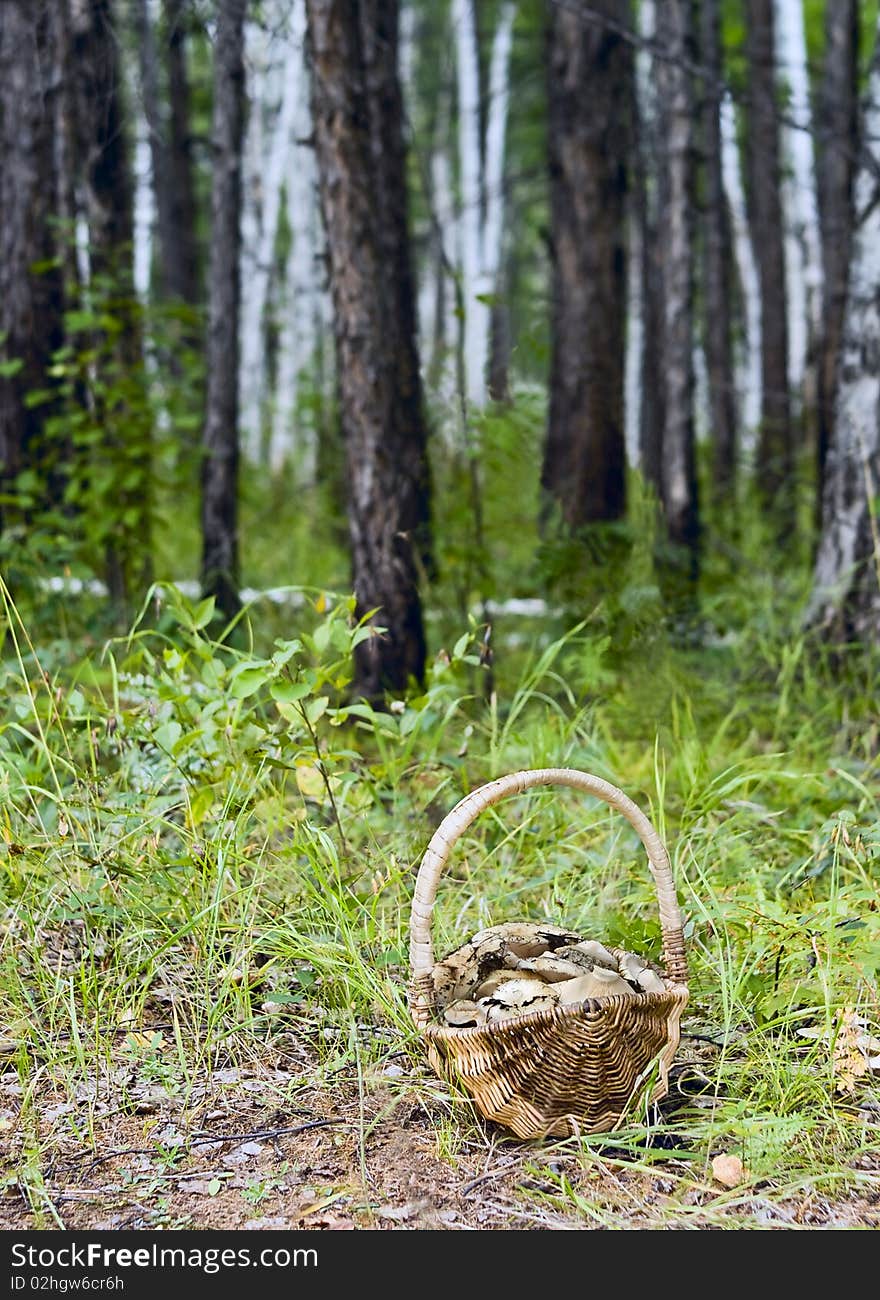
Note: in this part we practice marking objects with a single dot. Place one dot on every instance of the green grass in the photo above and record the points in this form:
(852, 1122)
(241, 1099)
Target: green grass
(169, 853)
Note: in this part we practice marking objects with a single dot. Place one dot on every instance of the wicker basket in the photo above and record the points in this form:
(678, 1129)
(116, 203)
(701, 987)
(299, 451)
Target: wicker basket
(574, 1068)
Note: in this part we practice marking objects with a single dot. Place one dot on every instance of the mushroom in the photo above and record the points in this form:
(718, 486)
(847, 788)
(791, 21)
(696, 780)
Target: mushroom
(488, 987)
(553, 968)
(464, 1014)
(650, 981)
(525, 938)
(520, 992)
(597, 983)
(495, 1011)
(593, 950)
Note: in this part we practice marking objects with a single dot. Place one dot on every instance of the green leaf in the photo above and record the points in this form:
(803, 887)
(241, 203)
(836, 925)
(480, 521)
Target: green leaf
(10, 368)
(310, 781)
(168, 734)
(249, 679)
(203, 613)
(214, 1186)
(321, 637)
(316, 708)
(288, 692)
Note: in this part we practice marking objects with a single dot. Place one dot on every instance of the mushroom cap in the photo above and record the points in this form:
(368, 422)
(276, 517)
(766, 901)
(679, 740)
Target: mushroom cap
(519, 992)
(552, 968)
(464, 1014)
(597, 983)
(592, 949)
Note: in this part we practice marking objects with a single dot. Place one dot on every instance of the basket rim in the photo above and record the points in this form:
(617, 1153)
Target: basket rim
(675, 992)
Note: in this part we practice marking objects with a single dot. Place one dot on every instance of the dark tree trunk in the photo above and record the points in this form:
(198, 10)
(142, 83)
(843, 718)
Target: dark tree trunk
(717, 264)
(31, 290)
(676, 107)
(499, 345)
(380, 35)
(846, 591)
(838, 139)
(220, 571)
(109, 195)
(384, 454)
(182, 261)
(775, 457)
(589, 87)
(104, 144)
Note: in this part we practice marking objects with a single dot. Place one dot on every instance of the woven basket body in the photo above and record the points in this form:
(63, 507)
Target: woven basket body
(574, 1068)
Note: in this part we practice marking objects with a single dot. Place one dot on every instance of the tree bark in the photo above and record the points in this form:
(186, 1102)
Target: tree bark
(679, 480)
(749, 356)
(717, 264)
(589, 91)
(182, 261)
(220, 562)
(109, 195)
(355, 102)
(31, 290)
(159, 157)
(838, 138)
(846, 591)
(775, 453)
(379, 34)
(646, 152)
(799, 202)
(104, 144)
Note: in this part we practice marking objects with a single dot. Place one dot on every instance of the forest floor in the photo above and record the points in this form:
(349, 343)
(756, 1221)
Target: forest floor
(206, 868)
(380, 1152)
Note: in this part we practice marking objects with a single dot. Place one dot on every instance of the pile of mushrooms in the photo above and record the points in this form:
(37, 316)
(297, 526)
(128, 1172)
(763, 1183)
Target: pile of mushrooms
(512, 970)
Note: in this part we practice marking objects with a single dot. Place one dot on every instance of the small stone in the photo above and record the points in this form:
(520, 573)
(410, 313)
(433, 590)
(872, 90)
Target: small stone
(728, 1170)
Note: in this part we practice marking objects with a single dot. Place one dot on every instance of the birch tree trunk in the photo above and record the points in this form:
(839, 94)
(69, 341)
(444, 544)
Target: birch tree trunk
(775, 453)
(717, 266)
(31, 302)
(800, 203)
(298, 339)
(678, 478)
(481, 180)
(220, 571)
(749, 351)
(838, 137)
(846, 591)
(646, 189)
(589, 88)
(384, 489)
(158, 149)
(273, 174)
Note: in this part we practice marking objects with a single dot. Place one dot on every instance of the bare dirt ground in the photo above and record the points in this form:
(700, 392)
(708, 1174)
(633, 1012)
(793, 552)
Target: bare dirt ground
(260, 1147)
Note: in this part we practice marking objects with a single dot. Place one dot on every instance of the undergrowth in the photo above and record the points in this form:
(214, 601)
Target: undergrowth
(206, 834)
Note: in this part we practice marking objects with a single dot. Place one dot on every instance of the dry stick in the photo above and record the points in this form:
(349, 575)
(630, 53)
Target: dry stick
(206, 1140)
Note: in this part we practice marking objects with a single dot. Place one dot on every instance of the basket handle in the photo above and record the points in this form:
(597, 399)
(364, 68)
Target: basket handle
(456, 822)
